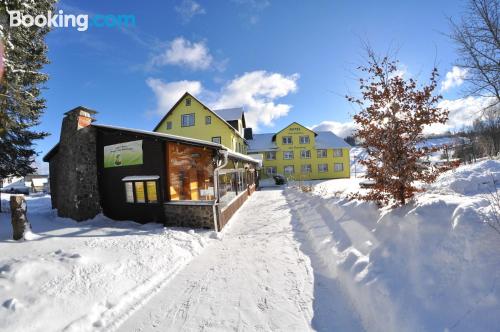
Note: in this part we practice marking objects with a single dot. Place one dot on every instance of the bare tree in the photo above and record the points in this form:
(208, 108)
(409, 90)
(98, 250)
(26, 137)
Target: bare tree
(477, 36)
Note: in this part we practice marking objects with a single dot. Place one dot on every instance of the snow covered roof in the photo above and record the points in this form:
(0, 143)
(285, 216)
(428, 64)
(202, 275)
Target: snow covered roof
(324, 140)
(229, 114)
(243, 157)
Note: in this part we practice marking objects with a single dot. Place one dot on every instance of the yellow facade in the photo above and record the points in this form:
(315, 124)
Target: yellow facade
(291, 152)
(202, 128)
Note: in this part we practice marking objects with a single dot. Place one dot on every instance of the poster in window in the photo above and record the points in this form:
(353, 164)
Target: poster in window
(123, 154)
(129, 191)
(151, 188)
(139, 192)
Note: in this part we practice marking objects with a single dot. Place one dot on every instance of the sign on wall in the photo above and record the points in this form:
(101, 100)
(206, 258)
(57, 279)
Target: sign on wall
(123, 154)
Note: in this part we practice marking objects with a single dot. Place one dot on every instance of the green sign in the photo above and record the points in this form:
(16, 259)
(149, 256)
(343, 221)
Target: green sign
(123, 154)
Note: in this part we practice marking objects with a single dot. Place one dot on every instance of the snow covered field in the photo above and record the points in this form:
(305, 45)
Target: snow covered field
(85, 276)
(288, 261)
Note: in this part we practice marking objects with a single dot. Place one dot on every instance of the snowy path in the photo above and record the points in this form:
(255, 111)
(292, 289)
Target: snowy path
(255, 279)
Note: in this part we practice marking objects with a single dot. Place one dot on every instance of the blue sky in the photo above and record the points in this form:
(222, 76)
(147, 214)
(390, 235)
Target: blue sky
(283, 61)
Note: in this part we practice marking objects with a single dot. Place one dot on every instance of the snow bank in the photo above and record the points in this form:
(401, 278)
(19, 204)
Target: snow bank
(86, 276)
(430, 266)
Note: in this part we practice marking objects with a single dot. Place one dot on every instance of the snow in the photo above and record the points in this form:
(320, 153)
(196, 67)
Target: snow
(86, 276)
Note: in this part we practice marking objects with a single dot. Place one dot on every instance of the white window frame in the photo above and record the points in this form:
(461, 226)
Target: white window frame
(217, 138)
(338, 153)
(320, 153)
(273, 169)
(269, 153)
(305, 154)
(303, 169)
(285, 153)
(338, 170)
(188, 122)
(287, 140)
(322, 170)
(288, 173)
(208, 119)
(302, 141)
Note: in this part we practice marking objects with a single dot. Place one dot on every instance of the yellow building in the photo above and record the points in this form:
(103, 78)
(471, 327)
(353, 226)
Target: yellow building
(189, 117)
(300, 153)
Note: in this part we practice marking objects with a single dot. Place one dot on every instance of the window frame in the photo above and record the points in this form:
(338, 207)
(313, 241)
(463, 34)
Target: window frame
(304, 136)
(334, 167)
(320, 155)
(218, 137)
(325, 170)
(147, 201)
(302, 169)
(272, 173)
(188, 115)
(284, 154)
(336, 155)
(302, 154)
(283, 138)
(188, 102)
(267, 155)
(169, 125)
(285, 172)
(208, 119)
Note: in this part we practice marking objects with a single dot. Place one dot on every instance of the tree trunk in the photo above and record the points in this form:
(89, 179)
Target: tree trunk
(20, 223)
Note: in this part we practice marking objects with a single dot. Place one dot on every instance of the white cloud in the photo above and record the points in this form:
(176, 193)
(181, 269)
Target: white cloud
(187, 9)
(341, 129)
(182, 52)
(257, 91)
(167, 94)
(454, 78)
(463, 112)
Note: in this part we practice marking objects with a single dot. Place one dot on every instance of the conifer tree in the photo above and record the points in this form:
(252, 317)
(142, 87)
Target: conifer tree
(21, 103)
(394, 113)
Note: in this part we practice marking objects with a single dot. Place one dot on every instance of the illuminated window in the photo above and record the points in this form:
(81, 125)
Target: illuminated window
(141, 189)
(140, 196)
(151, 191)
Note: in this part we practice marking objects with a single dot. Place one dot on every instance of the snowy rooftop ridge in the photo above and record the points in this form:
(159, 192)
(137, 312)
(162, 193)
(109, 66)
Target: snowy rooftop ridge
(324, 140)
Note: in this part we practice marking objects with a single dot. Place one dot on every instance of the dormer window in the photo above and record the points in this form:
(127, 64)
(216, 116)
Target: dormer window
(188, 101)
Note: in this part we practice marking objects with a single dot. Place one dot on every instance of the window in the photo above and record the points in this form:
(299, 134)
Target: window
(305, 154)
(216, 139)
(322, 153)
(190, 173)
(287, 139)
(208, 120)
(304, 139)
(271, 170)
(338, 167)
(140, 189)
(271, 155)
(188, 101)
(306, 168)
(322, 168)
(287, 155)
(288, 170)
(337, 152)
(169, 124)
(187, 120)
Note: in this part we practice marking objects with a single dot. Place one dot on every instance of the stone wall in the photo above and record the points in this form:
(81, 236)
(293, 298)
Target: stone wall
(192, 215)
(73, 171)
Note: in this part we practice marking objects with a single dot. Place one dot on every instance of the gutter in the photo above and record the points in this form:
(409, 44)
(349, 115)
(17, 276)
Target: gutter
(216, 183)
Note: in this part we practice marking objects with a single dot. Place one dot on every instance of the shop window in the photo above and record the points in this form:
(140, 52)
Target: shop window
(187, 120)
(271, 155)
(337, 152)
(322, 153)
(190, 172)
(305, 154)
(287, 140)
(304, 139)
(141, 189)
(338, 167)
(323, 168)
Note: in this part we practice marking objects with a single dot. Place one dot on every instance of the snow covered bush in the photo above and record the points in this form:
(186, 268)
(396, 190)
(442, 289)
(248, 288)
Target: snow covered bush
(394, 113)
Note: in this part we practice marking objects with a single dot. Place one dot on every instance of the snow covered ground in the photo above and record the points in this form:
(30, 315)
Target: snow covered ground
(85, 276)
(288, 261)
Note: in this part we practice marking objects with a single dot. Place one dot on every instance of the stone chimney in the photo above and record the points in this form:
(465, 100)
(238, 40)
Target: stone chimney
(73, 169)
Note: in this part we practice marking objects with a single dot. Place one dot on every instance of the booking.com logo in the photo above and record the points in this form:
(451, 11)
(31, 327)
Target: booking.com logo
(81, 22)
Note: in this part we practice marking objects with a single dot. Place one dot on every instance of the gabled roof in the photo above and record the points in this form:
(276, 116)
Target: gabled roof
(230, 114)
(295, 122)
(204, 106)
(324, 140)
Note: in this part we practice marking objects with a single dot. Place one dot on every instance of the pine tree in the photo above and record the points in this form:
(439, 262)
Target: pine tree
(21, 104)
(394, 112)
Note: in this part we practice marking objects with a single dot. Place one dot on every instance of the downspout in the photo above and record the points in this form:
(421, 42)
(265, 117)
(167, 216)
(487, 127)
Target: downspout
(216, 183)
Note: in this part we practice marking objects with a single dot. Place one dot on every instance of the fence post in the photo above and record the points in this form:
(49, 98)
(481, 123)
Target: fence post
(20, 223)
